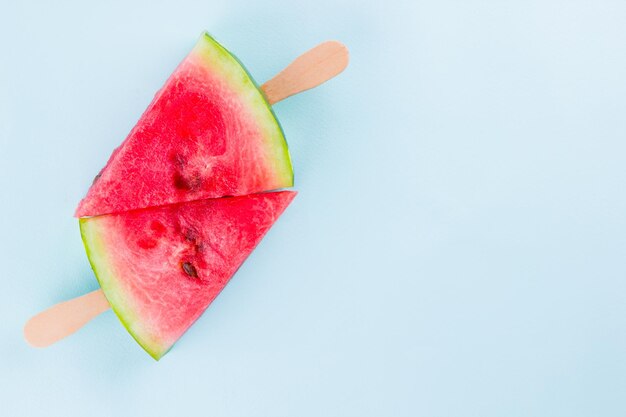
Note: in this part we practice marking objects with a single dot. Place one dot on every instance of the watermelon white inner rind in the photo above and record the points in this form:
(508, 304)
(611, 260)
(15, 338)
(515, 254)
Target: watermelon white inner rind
(161, 267)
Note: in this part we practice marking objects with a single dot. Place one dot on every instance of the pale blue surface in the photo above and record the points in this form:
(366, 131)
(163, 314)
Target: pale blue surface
(458, 247)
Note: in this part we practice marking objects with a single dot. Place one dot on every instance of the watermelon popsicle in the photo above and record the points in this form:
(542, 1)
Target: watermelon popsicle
(161, 267)
(209, 132)
(176, 157)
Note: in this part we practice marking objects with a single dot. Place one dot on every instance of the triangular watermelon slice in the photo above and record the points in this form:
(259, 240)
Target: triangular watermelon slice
(161, 267)
(208, 133)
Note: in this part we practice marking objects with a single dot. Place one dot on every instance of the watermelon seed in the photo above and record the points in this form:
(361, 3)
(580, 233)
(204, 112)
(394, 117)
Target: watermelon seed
(191, 235)
(190, 269)
(180, 182)
(185, 183)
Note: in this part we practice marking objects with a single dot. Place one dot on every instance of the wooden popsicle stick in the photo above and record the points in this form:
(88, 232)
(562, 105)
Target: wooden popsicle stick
(309, 70)
(63, 319)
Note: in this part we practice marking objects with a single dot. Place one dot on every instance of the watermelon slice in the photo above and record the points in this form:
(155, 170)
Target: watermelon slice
(209, 132)
(161, 267)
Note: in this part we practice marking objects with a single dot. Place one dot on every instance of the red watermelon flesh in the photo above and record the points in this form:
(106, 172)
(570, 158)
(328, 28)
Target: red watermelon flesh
(161, 267)
(208, 133)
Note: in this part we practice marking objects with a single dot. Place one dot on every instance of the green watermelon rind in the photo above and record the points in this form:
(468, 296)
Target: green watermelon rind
(279, 145)
(96, 253)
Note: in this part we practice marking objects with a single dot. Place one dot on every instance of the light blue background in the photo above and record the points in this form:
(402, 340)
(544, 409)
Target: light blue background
(458, 247)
